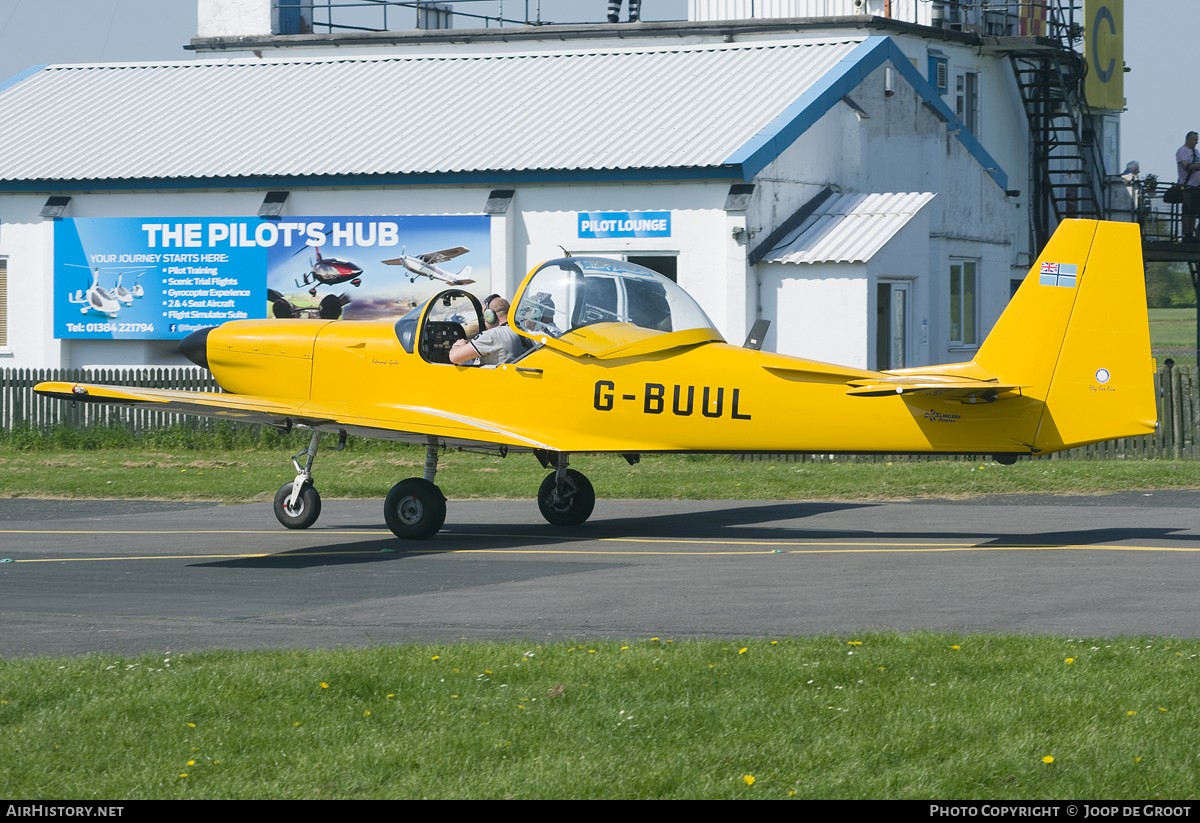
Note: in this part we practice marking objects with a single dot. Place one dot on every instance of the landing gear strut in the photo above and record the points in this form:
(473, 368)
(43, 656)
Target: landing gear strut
(415, 509)
(566, 497)
(297, 504)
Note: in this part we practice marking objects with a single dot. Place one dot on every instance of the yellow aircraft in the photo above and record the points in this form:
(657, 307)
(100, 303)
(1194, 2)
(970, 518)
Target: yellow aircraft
(619, 359)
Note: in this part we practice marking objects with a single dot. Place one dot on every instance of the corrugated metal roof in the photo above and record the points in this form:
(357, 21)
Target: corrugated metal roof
(643, 107)
(849, 228)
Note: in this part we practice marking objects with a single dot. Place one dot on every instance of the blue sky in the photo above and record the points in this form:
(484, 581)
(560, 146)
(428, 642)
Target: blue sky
(1162, 106)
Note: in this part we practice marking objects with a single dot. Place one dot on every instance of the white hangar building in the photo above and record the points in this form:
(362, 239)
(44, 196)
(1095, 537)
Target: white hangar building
(861, 182)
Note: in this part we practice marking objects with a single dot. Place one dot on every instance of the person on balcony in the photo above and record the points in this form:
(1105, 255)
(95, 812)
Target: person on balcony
(614, 10)
(1188, 161)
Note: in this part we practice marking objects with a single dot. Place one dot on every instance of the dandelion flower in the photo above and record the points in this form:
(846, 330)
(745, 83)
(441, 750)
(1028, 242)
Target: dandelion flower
(1069, 660)
(1047, 759)
(748, 779)
(436, 657)
(853, 642)
(742, 651)
(1130, 714)
(367, 713)
(191, 762)
(183, 775)
(954, 647)
(324, 685)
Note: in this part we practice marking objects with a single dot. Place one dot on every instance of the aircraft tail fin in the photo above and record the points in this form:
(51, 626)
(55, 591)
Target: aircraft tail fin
(1076, 335)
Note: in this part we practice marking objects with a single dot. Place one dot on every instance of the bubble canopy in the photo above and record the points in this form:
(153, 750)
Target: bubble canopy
(573, 293)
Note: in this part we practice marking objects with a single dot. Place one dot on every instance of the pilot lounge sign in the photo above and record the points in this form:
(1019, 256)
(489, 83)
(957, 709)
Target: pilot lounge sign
(599, 224)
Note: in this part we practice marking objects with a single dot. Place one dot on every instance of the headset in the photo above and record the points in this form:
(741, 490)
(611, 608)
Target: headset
(489, 316)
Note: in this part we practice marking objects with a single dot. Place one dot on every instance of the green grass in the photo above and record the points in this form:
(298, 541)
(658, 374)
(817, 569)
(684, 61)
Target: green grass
(871, 715)
(1173, 328)
(254, 475)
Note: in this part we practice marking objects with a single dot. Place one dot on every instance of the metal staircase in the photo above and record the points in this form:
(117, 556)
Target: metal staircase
(1068, 170)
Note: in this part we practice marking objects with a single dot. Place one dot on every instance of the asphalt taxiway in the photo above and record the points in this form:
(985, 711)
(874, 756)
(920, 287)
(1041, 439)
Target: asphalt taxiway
(135, 576)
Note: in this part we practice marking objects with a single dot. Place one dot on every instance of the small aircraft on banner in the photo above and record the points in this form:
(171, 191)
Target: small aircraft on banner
(619, 359)
(102, 301)
(327, 271)
(425, 265)
(127, 296)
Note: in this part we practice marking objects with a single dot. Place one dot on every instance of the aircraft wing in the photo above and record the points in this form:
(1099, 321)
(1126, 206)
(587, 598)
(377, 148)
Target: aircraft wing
(413, 424)
(442, 256)
(208, 404)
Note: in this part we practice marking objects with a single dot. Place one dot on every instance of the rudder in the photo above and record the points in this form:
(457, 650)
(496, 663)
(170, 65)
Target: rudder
(1103, 384)
(1076, 335)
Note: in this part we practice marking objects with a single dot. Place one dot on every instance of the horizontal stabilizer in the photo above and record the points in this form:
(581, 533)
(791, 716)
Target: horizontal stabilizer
(965, 391)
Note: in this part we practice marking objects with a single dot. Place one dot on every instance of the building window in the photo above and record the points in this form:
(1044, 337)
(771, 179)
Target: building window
(966, 101)
(963, 290)
(938, 74)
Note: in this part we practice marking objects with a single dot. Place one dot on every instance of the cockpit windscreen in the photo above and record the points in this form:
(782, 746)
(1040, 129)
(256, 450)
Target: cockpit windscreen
(573, 292)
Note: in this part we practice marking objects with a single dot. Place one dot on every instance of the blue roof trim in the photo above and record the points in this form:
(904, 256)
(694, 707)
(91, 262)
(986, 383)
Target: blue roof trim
(17, 78)
(471, 178)
(759, 151)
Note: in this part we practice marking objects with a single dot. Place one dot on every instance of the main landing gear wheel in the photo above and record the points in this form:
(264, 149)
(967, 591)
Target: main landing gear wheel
(415, 509)
(304, 513)
(569, 503)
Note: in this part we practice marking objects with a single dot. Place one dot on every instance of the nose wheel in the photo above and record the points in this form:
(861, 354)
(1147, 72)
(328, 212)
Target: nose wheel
(297, 504)
(301, 514)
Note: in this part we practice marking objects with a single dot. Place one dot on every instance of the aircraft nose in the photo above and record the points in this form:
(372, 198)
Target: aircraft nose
(195, 346)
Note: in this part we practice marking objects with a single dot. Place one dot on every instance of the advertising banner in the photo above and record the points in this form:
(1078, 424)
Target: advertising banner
(165, 277)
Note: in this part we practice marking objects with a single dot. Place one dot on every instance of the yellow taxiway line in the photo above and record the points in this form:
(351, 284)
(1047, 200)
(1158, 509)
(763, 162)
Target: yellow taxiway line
(785, 547)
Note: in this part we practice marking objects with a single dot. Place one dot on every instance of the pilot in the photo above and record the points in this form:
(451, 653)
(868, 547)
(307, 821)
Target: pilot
(537, 315)
(497, 344)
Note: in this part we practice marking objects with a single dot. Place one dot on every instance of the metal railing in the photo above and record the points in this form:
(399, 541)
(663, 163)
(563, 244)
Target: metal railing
(1161, 222)
(308, 16)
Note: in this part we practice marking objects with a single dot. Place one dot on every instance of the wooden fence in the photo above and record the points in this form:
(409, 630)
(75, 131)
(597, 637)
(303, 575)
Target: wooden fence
(20, 407)
(1177, 391)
